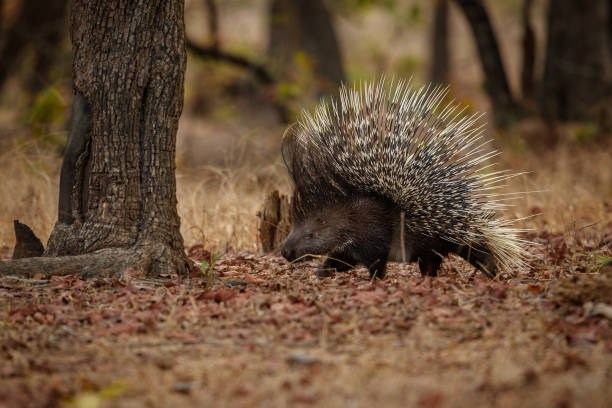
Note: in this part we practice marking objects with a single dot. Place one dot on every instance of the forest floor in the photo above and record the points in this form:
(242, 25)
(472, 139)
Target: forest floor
(260, 332)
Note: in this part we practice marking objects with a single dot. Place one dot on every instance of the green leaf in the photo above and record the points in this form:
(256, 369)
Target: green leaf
(94, 399)
(605, 261)
(587, 132)
(49, 108)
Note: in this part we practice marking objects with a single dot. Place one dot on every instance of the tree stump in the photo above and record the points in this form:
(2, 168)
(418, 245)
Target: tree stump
(274, 221)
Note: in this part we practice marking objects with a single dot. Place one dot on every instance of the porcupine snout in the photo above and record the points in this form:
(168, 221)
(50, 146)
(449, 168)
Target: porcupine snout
(288, 250)
(288, 254)
(312, 237)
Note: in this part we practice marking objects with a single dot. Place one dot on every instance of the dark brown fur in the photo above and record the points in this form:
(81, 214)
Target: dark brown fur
(366, 230)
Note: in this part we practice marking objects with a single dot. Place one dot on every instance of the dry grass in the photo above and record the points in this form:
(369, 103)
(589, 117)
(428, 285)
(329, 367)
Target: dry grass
(28, 191)
(572, 186)
(218, 205)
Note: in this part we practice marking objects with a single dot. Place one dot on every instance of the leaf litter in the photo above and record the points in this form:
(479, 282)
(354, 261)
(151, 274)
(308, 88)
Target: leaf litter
(263, 332)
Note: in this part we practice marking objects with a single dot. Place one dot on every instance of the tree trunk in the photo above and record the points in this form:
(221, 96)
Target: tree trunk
(439, 60)
(577, 79)
(1, 22)
(117, 204)
(213, 23)
(496, 81)
(274, 221)
(529, 49)
(305, 26)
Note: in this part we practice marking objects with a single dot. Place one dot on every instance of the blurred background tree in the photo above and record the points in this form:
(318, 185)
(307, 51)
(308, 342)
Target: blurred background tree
(496, 80)
(576, 84)
(302, 47)
(34, 27)
(577, 77)
(439, 43)
(302, 38)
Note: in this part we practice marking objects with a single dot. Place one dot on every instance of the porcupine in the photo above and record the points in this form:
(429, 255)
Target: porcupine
(382, 154)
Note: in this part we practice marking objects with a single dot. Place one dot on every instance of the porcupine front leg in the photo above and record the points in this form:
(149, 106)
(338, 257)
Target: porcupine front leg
(378, 268)
(374, 257)
(335, 262)
(375, 261)
(374, 253)
(430, 254)
(481, 258)
(429, 264)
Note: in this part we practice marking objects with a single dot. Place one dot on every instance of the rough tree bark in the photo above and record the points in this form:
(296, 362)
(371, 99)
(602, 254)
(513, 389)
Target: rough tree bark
(440, 54)
(117, 204)
(496, 80)
(305, 25)
(577, 79)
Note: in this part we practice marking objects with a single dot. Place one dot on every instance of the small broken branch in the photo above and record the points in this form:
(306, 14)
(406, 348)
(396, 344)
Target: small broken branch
(260, 72)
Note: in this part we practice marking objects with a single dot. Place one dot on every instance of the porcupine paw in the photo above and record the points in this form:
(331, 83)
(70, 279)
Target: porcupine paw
(323, 272)
(378, 269)
(331, 266)
(429, 267)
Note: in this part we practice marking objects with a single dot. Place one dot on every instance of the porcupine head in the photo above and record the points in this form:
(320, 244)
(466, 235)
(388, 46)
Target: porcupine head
(381, 154)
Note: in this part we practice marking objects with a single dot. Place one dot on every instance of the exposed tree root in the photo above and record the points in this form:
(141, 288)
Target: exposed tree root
(151, 257)
(110, 262)
(154, 260)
